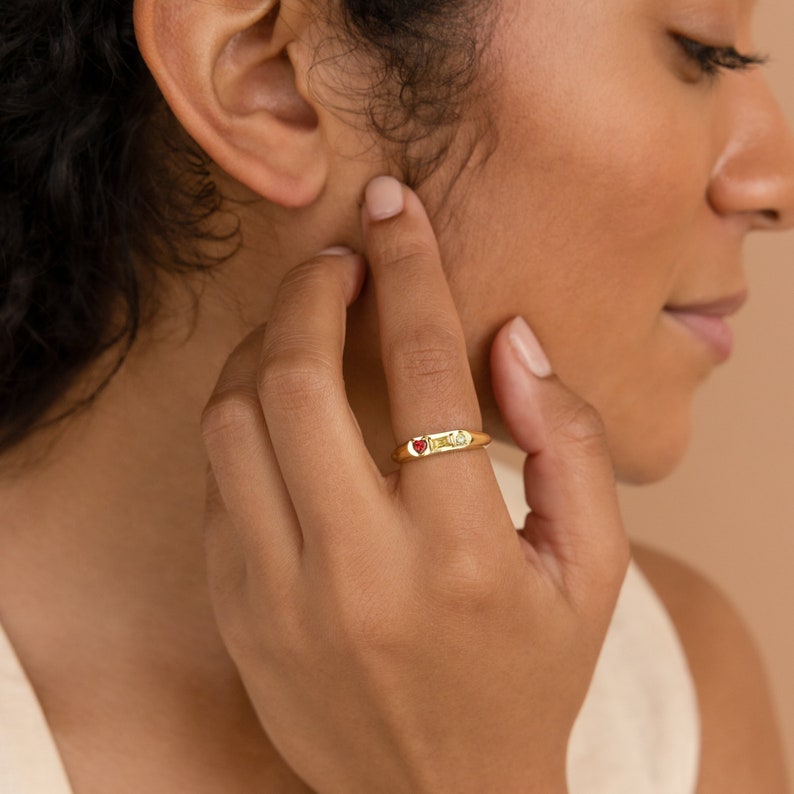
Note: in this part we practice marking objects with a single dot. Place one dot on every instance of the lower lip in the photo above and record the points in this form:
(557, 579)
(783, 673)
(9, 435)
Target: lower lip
(714, 331)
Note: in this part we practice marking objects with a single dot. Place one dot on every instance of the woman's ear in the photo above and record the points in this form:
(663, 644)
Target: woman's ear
(236, 77)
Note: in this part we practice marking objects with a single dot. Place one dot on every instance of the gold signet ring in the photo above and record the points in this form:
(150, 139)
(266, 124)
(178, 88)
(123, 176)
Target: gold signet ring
(449, 441)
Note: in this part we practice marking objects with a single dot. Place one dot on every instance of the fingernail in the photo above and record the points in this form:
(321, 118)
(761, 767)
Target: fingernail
(527, 348)
(384, 198)
(336, 250)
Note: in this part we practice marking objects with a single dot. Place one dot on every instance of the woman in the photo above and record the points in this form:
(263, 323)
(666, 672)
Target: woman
(360, 624)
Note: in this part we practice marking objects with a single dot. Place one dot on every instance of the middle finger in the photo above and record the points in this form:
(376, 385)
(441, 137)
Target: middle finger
(430, 385)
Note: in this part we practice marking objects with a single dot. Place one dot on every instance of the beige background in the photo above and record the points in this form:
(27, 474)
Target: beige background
(729, 509)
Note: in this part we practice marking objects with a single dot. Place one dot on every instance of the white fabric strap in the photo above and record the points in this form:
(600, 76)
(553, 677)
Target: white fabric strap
(29, 759)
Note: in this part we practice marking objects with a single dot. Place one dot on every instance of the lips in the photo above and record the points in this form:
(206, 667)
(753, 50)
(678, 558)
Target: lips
(706, 321)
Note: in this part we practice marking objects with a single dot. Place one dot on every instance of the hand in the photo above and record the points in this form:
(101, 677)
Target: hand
(395, 633)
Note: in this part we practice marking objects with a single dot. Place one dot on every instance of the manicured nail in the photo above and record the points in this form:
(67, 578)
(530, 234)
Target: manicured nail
(527, 348)
(336, 250)
(384, 198)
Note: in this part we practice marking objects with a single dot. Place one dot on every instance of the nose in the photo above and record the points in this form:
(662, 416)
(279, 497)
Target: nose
(754, 178)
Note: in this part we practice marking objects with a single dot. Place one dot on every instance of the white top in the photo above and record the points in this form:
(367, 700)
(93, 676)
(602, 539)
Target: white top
(29, 760)
(638, 731)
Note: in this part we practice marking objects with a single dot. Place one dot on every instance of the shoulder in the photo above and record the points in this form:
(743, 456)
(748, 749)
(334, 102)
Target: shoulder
(741, 748)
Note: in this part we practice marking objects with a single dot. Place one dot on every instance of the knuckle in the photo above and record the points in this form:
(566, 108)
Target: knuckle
(229, 413)
(408, 251)
(470, 575)
(305, 282)
(296, 379)
(428, 355)
(582, 424)
(304, 277)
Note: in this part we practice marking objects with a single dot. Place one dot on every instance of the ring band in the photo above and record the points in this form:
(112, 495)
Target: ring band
(449, 441)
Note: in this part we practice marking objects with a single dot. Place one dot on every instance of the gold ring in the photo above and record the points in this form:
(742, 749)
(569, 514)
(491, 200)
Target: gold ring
(449, 441)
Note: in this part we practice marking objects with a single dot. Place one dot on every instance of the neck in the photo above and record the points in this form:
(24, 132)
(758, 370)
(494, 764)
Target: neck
(105, 530)
(101, 541)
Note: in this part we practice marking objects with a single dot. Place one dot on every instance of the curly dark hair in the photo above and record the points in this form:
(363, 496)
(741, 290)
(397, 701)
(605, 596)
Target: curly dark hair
(88, 213)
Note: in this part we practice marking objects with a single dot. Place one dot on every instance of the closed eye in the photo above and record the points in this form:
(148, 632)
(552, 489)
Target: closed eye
(711, 60)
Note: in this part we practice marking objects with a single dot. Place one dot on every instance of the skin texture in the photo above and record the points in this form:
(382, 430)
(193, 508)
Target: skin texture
(622, 182)
(429, 626)
(664, 230)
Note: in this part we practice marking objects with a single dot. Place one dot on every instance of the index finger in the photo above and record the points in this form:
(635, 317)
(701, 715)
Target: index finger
(422, 343)
(316, 441)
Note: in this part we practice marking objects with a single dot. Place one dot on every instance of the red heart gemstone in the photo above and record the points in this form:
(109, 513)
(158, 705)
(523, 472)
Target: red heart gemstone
(419, 445)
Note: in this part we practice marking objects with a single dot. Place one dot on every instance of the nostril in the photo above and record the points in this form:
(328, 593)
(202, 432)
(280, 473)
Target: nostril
(771, 216)
(767, 220)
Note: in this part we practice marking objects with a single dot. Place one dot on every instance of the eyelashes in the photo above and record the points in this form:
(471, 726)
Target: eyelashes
(712, 60)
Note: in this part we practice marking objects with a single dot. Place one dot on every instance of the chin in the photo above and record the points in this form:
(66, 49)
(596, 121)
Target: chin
(650, 454)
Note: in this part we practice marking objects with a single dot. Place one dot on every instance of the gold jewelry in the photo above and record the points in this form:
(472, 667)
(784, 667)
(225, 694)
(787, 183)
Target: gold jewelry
(449, 441)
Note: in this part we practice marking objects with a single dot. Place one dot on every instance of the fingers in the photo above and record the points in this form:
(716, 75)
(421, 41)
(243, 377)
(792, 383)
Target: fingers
(245, 486)
(325, 464)
(569, 482)
(422, 343)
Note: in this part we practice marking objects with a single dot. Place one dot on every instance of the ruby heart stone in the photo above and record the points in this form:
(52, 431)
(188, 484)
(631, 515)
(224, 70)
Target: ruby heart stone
(419, 445)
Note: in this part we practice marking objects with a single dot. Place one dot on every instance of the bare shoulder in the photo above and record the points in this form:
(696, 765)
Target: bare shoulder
(741, 749)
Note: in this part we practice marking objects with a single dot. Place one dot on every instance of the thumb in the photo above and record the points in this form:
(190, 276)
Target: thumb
(575, 523)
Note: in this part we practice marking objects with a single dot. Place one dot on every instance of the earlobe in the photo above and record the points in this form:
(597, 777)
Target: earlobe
(225, 72)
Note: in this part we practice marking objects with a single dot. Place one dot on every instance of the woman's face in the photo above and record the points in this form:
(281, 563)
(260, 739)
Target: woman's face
(624, 181)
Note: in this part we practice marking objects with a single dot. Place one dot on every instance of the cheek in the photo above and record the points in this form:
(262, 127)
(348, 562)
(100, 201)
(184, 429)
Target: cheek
(580, 222)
